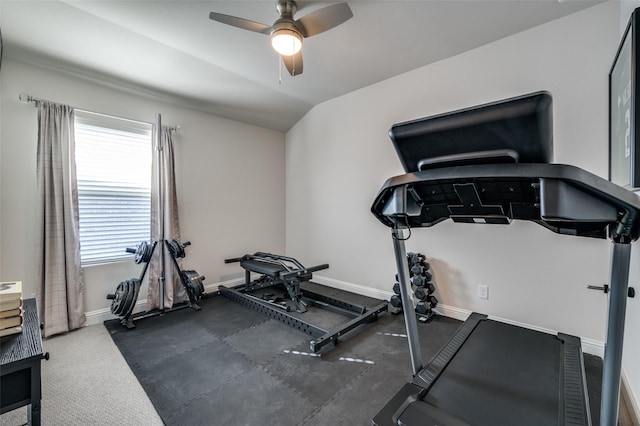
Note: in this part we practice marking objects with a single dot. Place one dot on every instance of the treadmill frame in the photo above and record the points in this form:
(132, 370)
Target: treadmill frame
(400, 206)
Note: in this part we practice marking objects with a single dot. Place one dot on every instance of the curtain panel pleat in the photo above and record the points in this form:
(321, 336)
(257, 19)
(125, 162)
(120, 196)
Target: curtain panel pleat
(59, 281)
(169, 228)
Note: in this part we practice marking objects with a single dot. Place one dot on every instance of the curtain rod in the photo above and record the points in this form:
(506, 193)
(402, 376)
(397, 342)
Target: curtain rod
(25, 98)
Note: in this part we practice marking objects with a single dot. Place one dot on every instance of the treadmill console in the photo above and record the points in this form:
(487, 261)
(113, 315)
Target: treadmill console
(515, 130)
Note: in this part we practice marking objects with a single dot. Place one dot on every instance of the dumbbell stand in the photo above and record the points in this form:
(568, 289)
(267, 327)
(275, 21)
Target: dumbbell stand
(426, 317)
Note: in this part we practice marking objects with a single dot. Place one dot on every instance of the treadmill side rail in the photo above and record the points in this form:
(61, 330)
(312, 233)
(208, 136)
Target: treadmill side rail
(390, 413)
(405, 409)
(439, 362)
(575, 398)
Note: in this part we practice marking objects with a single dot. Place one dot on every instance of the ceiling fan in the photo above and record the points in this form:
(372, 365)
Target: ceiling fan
(286, 33)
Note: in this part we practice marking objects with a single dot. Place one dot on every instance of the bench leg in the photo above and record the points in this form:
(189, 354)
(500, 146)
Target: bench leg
(293, 288)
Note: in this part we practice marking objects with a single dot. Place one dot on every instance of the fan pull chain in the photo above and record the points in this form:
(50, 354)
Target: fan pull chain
(280, 70)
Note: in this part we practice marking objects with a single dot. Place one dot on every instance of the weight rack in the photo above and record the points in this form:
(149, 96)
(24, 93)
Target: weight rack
(126, 295)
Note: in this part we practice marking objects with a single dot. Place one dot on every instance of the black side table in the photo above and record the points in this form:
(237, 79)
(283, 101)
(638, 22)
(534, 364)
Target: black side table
(20, 357)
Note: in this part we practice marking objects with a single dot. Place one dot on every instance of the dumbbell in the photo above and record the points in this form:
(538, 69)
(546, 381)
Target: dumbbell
(420, 293)
(429, 288)
(422, 308)
(432, 301)
(395, 301)
(416, 258)
(417, 269)
(421, 280)
(396, 288)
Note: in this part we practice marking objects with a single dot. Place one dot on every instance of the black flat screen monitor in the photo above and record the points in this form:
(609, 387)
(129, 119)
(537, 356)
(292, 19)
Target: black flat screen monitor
(517, 129)
(624, 87)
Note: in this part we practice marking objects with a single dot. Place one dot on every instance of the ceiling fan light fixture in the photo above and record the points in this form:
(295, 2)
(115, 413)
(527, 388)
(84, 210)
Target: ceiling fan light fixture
(286, 42)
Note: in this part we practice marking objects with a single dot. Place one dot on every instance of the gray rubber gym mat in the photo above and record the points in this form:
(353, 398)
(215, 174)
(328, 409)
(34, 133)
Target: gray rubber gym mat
(230, 365)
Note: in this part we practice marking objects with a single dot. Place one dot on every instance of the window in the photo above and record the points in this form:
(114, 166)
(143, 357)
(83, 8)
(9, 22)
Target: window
(113, 165)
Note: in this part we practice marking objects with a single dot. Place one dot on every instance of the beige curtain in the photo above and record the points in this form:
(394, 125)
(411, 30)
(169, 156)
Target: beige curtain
(164, 203)
(59, 281)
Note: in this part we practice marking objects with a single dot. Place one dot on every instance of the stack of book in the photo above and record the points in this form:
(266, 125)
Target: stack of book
(11, 316)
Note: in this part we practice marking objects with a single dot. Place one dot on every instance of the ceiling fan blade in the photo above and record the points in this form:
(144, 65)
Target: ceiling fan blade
(293, 63)
(245, 24)
(324, 19)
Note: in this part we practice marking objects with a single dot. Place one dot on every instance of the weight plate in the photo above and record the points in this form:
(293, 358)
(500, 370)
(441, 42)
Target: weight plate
(172, 249)
(188, 286)
(130, 293)
(194, 283)
(200, 288)
(134, 287)
(176, 248)
(116, 304)
(144, 252)
(148, 253)
(139, 253)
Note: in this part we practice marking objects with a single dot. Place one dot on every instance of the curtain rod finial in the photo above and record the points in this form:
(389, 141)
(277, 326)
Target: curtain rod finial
(24, 98)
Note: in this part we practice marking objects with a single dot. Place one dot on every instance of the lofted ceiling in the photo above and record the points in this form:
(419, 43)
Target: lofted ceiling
(172, 49)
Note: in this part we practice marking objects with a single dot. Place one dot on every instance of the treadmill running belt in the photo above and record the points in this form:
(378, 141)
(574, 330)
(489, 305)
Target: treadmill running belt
(502, 375)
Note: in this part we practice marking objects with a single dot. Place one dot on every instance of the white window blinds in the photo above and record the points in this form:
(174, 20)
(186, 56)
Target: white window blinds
(113, 164)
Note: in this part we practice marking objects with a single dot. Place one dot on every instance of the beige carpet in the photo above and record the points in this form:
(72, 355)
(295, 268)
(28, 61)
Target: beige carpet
(87, 382)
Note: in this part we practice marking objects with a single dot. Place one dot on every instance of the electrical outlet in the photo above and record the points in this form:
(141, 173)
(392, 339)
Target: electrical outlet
(483, 292)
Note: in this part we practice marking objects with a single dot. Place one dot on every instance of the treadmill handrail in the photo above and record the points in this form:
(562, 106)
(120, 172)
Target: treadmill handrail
(625, 201)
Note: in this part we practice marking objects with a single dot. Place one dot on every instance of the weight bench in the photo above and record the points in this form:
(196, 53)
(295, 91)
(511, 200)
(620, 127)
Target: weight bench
(287, 273)
(277, 270)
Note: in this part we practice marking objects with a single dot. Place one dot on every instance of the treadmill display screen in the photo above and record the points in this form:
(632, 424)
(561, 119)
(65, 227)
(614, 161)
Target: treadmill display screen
(513, 130)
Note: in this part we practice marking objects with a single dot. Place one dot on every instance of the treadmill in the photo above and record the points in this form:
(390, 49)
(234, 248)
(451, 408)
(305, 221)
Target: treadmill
(491, 164)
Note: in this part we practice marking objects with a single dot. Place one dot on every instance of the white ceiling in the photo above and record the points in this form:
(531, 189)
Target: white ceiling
(171, 48)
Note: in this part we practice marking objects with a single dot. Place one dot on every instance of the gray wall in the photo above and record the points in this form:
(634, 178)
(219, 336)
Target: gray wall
(342, 155)
(230, 179)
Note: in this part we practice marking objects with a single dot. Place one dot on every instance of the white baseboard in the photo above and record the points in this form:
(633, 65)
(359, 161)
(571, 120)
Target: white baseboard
(452, 312)
(353, 288)
(101, 315)
(589, 346)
